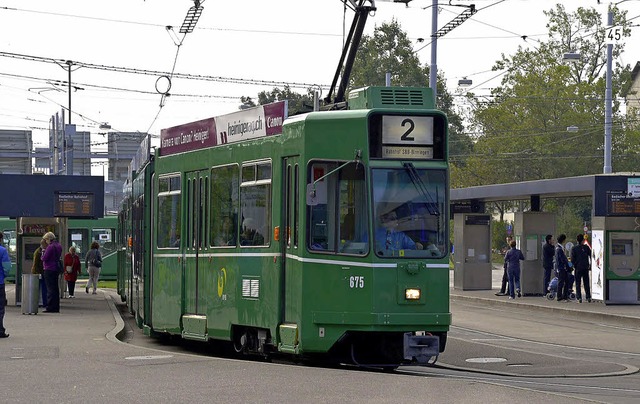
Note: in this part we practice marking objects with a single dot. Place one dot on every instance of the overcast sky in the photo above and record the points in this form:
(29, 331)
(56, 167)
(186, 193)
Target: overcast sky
(250, 45)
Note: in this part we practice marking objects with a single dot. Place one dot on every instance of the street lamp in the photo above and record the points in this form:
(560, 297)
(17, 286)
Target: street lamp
(574, 57)
(571, 57)
(465, 82)
(436, 33)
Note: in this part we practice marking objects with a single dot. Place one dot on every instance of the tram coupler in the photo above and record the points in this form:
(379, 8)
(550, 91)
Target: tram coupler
(421, 348)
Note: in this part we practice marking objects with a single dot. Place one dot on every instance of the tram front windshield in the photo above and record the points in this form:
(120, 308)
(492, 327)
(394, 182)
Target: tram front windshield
(409, 212)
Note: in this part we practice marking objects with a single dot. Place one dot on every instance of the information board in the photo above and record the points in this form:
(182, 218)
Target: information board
(73, 204)
(482, 220)
(619, 203)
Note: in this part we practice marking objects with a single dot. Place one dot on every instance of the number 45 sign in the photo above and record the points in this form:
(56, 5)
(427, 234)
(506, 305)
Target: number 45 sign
(614, 34)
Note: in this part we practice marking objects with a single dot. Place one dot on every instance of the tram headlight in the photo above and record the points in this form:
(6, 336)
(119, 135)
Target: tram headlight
(412, 294)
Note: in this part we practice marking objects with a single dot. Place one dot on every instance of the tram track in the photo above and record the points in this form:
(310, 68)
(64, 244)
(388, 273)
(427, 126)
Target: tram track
(593, 386)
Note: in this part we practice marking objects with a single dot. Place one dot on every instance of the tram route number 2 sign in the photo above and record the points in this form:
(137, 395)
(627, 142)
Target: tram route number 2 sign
(73, 204)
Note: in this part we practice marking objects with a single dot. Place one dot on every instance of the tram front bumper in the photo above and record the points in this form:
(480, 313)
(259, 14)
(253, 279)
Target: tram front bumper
(421, 348)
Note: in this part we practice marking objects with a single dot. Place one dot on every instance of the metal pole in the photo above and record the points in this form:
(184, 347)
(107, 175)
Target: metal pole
(433, 70)
(608, 99)
(69, 63)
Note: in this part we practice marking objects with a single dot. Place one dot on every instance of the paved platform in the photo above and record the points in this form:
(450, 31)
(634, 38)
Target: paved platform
(66, 356)
(628, 315)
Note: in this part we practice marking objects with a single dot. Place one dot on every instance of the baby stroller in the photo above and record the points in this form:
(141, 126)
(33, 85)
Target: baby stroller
(553, 287)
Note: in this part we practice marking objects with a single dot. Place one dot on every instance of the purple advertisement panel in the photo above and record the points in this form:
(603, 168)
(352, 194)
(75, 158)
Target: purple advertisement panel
(274, 115)
(187, 137)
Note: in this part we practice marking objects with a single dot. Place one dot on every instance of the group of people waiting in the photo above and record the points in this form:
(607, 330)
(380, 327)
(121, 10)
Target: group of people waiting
(48, 264)
(553, 258)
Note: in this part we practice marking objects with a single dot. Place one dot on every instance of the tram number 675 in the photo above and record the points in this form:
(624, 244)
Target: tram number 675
(356, 282)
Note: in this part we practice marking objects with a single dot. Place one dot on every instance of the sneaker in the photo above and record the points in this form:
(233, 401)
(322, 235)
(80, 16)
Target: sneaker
(4, 335)
(589, 299)
(86, 289)
(94, 293)
(72, 297)
(501, 294)
(518, 292)
(511, 298)
(579, 300)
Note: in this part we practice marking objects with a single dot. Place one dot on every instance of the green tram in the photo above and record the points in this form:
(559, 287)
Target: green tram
(80, 233)
(322, 236)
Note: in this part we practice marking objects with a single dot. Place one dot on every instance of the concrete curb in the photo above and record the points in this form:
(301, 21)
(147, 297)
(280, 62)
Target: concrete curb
(564, 310)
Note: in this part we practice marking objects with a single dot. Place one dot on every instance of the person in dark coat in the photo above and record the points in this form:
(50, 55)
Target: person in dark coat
(562, 270)
(38, 268)
(505, 275)
(512, 259)
(547, 262)
(581, 259)
(5, 263)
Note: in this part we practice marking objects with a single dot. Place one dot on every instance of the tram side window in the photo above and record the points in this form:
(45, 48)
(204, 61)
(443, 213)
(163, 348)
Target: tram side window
(106, 238)
(338, 221)
(255, 204)
(79, 238)
(224, 206)
(168, 228)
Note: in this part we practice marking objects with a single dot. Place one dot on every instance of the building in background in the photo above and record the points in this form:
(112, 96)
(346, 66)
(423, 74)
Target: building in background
(16, 151)
(76, 155)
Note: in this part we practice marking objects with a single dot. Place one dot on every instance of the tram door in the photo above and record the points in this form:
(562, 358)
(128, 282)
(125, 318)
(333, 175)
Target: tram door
(194, 243)
(289, 234)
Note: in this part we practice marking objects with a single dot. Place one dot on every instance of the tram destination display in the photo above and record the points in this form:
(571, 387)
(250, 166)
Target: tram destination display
(73, 204)
(621, 204)
(407, 137)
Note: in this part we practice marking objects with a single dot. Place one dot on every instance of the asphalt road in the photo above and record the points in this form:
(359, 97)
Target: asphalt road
(519, 355)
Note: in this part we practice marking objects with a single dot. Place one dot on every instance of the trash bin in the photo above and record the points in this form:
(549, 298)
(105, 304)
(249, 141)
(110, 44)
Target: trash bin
(30, 293)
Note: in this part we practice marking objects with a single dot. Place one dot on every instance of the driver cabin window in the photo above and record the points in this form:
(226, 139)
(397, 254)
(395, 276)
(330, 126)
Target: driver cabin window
(338, 221)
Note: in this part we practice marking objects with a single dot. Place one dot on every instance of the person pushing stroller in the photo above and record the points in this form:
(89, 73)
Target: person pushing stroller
(552, 287)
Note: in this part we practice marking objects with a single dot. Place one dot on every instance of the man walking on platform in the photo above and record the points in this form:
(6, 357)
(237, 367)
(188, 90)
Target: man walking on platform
(581, 259)
(547, 262)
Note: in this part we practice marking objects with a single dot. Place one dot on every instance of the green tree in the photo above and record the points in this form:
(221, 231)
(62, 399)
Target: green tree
(522, 127)
(298, 103)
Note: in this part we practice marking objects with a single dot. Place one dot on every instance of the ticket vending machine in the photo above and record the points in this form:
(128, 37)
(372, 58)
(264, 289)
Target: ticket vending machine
(615, 260)
(530, 231)
(30, 232)
(472, 254)
(623, 266)
(28, 245)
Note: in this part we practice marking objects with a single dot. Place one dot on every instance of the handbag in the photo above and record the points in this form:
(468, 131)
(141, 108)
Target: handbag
(69, 269)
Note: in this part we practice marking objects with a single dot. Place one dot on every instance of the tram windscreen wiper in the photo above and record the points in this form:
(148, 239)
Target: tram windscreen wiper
(431, 205)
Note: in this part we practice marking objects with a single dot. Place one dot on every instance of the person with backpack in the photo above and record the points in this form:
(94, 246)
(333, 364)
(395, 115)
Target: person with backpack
(562, 270)
(581, 259)
(93, 262)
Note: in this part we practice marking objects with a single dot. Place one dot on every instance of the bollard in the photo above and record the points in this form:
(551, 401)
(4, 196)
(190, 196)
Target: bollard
(30, 293)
